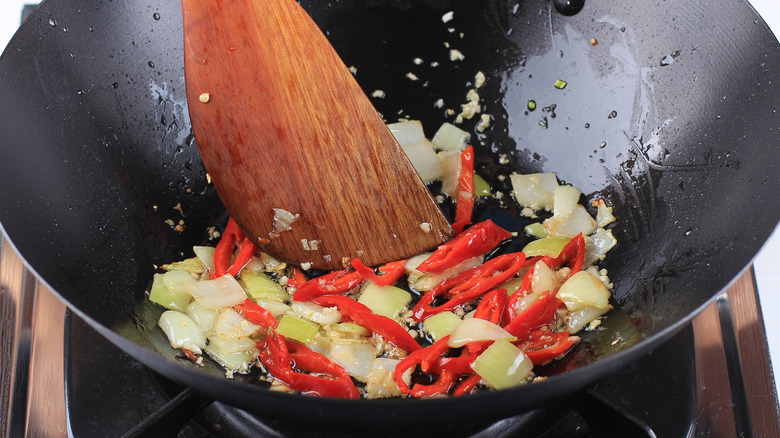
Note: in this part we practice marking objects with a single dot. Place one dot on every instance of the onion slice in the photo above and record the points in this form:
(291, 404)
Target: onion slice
(475, 329)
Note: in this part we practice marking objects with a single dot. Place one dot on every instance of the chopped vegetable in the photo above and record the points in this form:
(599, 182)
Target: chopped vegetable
(534, 190)
(536, 230)
(441, 324)
(182, 331)
(559, 84)
(481, 187)
(502, 365)
(474, 330)
(296, 328)
(235, 355)
(260, 286)
(546, 246)
(387, 301)
(217, 294)
(476, 241)
(174, 297)
(450, 138)
(465, 204)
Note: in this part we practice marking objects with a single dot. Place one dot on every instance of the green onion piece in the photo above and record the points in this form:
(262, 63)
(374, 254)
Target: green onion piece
(502, 365)
(387, 301)
(536, 229)
(547, 246)
(261, 287)
(559, 84)
(441, 324)
(169, 290)
(481, 187)
(531, 105)
(297, 328)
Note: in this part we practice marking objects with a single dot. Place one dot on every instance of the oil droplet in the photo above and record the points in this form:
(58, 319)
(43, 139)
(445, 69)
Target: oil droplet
(80, 92)
(568, 7)
(52, 22)
(156, 16)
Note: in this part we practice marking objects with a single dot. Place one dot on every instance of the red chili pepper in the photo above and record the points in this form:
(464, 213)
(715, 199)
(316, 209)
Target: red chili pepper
(467, 385)
(336, 282)
(256, 314)
(429, 354)
(541, 312)
(469, 285)
(223, 253)
(465, 205)
(475, 241)
(296, 279)
(572, 253)
(522, 291)
(327, 379)
(379, 324)
(547, 346)
(393, 272)
(492, 306)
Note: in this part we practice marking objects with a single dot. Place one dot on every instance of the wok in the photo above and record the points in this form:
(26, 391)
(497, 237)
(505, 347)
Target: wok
(670, 117)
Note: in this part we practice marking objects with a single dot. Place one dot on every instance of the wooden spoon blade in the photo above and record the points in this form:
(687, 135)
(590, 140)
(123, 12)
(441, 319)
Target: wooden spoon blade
(287, 129)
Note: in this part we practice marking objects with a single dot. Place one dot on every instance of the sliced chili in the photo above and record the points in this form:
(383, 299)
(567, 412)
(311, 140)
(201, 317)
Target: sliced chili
(555, 344)
(492, 306)
(469, 285)
(429, 354)
(392, 272)
(256, 314)
(465, 205)
(296, 279)
(328, 379)
(336, 282)
(475, 241)
(389, 329)
(541, 312)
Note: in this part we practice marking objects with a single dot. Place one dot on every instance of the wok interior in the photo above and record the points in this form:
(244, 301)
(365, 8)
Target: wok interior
(97, 151)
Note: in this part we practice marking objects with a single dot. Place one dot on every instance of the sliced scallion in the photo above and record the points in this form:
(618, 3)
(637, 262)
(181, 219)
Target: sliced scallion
(546, 246)
(297, 328)
(536, 229)
(502, 365)
(559, 84)
(441, 324)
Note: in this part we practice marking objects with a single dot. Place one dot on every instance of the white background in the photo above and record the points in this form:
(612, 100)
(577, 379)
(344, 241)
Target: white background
(768, 276)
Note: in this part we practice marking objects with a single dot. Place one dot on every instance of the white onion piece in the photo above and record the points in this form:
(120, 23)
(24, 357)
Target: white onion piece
(450, 167)
(355, 357)
(579, 221)
(407, 132)
(565, 199)
(534, 190)
(578, 319)
(206, 255)
(316, 313)
(598, 244)
(204, 318)
(231, 325)
(235, 355)
(450, 138)
(182, 331)
(583, 289)
(380, 381)
(544, 278)
(604, 215)
(424, 160)
(218, 293)
(476, 329)
(525, 302)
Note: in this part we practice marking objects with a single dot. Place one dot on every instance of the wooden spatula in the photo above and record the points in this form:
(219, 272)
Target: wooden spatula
(285, 131)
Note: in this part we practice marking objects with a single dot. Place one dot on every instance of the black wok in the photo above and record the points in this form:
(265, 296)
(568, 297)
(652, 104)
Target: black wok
(670, 117)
